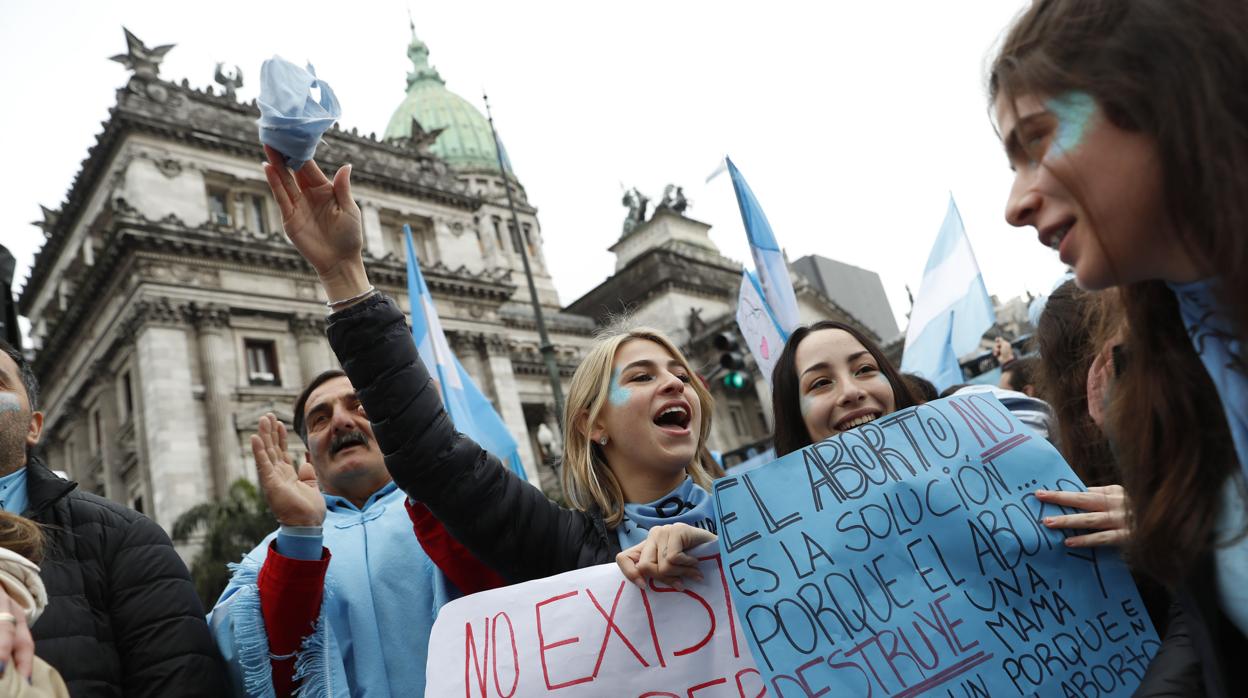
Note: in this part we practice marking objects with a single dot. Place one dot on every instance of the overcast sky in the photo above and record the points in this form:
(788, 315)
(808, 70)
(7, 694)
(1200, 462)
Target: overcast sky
(852, 121)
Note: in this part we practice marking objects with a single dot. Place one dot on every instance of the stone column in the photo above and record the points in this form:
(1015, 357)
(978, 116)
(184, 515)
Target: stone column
(503, 379)
(374, 241)
(216, 351)
(171, 456)
(309, 331)
(106, 403)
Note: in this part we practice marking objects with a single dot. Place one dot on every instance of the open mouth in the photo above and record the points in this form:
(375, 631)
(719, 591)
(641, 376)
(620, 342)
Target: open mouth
(673, 417)
(854, 422)
(1052, 238)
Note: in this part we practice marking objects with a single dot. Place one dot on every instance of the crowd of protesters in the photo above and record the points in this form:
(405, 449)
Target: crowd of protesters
(1124, 124)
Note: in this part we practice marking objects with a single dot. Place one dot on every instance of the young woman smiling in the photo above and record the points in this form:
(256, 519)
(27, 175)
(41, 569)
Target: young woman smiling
(1123, 121)
(829, 379)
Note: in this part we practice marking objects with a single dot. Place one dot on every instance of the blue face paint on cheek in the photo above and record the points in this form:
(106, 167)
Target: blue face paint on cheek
(806, 405)
(1074, 112)
(9, 403)
(619, 394)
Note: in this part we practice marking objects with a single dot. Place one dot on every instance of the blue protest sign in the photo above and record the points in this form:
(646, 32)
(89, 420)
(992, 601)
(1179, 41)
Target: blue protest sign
(907, 557)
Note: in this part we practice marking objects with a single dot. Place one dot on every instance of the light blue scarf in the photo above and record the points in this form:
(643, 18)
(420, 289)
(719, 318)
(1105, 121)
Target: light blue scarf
(687, 504)
(1221, 348)
(382, 594)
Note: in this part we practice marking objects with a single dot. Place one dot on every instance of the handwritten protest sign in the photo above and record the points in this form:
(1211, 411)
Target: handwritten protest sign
(906, 557)
(593, 633)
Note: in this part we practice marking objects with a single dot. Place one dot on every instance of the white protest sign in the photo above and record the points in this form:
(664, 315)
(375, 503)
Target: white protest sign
(591, 633)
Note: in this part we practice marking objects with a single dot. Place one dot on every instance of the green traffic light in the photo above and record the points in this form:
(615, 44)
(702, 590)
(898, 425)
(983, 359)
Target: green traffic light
(735, 380)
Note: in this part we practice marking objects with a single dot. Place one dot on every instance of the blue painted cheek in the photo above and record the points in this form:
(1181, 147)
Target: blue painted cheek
(619, 394)
(806, 404)
(10, 403)
(1074, 112)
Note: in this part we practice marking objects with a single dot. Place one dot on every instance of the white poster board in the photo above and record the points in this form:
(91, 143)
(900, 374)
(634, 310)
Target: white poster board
(592, 633)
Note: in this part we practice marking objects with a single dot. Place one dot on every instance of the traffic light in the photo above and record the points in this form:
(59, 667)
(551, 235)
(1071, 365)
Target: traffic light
(732, 361)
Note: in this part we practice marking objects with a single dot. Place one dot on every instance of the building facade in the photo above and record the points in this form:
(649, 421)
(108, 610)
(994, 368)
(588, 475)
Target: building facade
(169, 312)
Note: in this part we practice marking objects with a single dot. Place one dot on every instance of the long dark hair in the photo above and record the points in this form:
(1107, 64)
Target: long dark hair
(1067, 336)
(791, 433)
(1172, 70)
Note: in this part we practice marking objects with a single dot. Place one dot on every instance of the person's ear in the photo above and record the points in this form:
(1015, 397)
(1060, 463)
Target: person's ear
(34, 429)
(593, 432)
(1029, 390)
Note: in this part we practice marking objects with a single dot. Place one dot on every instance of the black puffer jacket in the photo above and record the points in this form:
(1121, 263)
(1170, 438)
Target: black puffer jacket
(122, 615)
(506, 522)
(1203, 651)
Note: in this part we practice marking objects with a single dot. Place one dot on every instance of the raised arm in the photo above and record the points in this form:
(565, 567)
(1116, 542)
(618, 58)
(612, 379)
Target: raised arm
(505, 521)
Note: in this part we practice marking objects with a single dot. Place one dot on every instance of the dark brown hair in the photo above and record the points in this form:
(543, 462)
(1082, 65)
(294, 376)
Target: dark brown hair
(1172, 70)
(921, 388)
(22, 536)
(301, 402)
(791, 433)
(1067, 338)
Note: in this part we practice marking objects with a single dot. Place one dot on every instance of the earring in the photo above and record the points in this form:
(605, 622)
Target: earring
(603, 440)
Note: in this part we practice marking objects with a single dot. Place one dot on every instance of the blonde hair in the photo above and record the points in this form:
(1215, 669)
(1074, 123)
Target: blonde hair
(587, 479)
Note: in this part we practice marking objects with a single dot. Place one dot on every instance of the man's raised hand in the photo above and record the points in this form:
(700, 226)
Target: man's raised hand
(322, 221)
(293, 497)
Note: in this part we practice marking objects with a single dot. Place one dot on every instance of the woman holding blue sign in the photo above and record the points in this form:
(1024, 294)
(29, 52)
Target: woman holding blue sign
(1124, 123)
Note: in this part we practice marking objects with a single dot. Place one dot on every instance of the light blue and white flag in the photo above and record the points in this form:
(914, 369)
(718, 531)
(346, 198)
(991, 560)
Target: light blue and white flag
(758, 326)
(769, 264)
(953, 309)
(471, 413)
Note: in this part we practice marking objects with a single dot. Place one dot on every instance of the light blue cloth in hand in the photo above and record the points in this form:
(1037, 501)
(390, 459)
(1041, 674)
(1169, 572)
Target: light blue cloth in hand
(291, 122)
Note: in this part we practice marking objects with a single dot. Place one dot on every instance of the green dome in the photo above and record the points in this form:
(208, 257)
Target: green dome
(466, 142)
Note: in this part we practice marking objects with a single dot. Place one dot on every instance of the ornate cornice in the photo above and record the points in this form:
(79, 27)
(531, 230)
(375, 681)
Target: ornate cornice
(216, 123)
(305, 326)
(207, 316)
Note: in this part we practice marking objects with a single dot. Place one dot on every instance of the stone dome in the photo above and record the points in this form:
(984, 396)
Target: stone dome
(467, 142)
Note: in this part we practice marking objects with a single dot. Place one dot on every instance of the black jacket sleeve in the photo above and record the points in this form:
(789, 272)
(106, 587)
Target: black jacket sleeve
(163, 641)
(1176, 668)
(502, 519)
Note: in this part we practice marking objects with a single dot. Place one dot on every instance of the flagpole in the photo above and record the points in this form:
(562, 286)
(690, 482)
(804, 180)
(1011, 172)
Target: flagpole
(547, 349)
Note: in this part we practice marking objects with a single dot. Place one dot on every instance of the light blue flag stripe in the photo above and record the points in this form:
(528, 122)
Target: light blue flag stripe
(953, 308)
(471, 412)
(773, 273)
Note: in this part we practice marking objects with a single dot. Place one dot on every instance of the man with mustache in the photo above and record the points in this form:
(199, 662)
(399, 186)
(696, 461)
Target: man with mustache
(343, 596)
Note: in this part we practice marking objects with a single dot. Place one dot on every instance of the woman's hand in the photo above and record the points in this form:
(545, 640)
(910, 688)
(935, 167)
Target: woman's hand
(1106, 514)
(17, 647)
(322, 221)
(661, 556)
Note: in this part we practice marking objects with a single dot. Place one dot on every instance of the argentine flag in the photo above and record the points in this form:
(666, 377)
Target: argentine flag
(773, 273)
(470, 411)
(953, 309)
